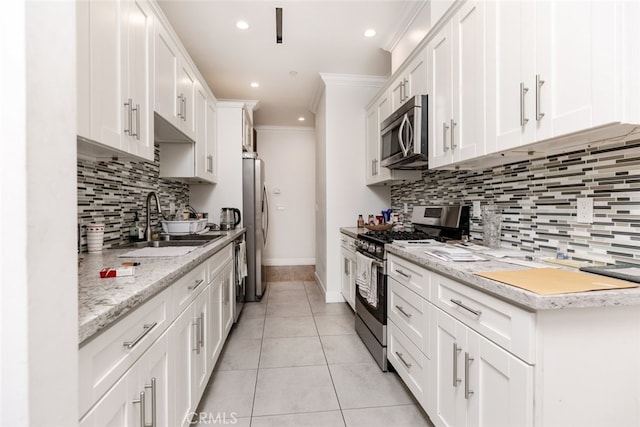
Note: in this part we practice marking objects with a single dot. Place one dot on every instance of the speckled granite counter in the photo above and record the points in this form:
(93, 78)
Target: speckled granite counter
(464, 273)
(353, 231)
(101, 302)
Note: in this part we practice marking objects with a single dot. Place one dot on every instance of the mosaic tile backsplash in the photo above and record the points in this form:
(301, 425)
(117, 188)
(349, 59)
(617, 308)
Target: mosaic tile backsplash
(110, 192)
(537, 200)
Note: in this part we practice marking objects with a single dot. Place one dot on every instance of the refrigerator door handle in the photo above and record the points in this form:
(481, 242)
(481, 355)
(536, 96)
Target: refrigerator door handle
(265, 214)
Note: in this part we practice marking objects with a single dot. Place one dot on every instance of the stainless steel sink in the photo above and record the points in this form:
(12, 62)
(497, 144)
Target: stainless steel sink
(186, 240)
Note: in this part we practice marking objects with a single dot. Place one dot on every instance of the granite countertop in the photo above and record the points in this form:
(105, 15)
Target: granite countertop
(101, 302)
(464, 273)
(353, 231)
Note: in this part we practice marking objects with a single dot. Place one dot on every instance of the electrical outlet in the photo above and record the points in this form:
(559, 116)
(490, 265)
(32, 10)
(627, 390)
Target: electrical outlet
(172, 208)
(585, 210)
(406, 209)
(477, 212)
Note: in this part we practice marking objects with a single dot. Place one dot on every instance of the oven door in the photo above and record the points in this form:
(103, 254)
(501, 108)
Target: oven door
(379, 311)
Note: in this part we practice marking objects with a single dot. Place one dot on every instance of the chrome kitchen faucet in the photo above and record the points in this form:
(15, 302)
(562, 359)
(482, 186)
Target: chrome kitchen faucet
(147, 230)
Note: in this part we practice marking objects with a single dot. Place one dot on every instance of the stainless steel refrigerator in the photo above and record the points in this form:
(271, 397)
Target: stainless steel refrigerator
(256, 219)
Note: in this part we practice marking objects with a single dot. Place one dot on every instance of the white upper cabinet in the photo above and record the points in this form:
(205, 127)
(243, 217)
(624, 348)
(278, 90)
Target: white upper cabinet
(456, 88)
(114, 77)
(556, 68)
(412, 81)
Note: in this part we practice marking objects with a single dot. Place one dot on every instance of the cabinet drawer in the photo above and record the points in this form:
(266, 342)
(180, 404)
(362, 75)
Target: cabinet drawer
(218, 261)
(410, 313)
(410, 275)
(187, 288)
(509, 326)
(409, 362)
(104, 359)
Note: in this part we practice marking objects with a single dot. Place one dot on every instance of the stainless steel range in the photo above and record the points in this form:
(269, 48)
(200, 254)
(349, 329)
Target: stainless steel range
(430, 223)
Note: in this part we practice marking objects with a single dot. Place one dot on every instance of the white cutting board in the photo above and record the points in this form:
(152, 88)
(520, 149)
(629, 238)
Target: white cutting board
(158, 252)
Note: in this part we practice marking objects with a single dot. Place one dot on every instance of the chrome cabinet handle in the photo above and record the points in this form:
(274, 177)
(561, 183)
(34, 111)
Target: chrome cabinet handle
(184, 111)
(137, 132)
(466, 307)
(402, 273)
(407, 364)
(195, 285)
(201, 329)
(180, 105)
(453, 125)
(152, 386)
(467, 360)
(456, 350)
(141, 401)
(444, 137)
(128, 104)
(146, 329)
(539, 83)
(523, 91)
(195, 336)
(401, 310)
(210, 163)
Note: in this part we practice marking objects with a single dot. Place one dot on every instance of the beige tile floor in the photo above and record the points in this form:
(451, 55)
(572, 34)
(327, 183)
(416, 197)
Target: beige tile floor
(292, 360)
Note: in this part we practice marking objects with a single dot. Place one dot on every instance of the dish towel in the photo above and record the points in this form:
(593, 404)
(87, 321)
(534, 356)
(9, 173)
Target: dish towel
(243, 259)
(367, 279)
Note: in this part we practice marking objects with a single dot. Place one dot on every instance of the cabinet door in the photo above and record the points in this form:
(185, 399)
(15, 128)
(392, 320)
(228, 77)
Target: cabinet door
(510, 45)
(105, 59)
(398, 92)
(116, 408)
(467, 136)
(201, 102)
(500, 386)
(228, 299)
(183, 339)
(200, 372)
(166, 58)
(417, 75)
(440, 52)
(187, 92)
(447, 371)
(348, 277)
(140, 53)
(214, 330)
(208, 157)
(578, 59)
(155, 370)
(372, 141)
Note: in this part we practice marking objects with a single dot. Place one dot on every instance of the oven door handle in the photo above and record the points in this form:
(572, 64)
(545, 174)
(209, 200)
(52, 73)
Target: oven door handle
(373, 260)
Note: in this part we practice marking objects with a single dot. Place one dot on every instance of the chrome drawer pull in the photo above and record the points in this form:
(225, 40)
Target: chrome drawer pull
(197, 283)
(146, 329)
(403, 274)
(401, 310)
(153, 402)
(408, 365)
(467, 361)
(460, 304)
(141, 401)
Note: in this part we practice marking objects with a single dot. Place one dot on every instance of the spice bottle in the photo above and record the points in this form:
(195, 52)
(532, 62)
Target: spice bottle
(360, 221)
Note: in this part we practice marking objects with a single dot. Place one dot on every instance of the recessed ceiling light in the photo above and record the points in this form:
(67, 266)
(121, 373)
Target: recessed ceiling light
(243, 25)
(301, 119)
(370, 32)
(255, 84)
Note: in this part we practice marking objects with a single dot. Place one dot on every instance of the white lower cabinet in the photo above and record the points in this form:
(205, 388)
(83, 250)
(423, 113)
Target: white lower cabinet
(189, 357)
(348, 267)
(475, 382)
(151, 367)
(141, 396)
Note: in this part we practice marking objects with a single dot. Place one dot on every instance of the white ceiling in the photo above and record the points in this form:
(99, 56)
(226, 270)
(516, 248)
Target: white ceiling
(319, 36)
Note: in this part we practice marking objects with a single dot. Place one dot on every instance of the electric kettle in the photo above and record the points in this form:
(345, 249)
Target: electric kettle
(229, 218)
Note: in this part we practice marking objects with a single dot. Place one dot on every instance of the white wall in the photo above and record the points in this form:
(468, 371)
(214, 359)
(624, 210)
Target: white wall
(228, 190)
(38, 268)
(289, 158)
(346, 193)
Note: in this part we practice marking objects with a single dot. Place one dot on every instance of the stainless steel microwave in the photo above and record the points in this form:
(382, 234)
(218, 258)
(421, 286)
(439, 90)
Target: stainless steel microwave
(404, 136)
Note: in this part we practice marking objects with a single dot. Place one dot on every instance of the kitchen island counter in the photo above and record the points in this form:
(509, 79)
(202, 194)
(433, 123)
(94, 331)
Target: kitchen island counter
(101, 302)
(464, 273)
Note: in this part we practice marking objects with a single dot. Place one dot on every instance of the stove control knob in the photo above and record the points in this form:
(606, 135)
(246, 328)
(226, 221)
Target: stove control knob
(379, 250)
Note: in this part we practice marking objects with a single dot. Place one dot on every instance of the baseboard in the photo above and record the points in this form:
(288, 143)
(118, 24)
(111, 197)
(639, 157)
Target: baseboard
(329, 297)
(273, 262)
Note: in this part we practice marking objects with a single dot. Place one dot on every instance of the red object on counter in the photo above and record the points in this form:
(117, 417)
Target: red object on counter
(116, 272)
(108, 272)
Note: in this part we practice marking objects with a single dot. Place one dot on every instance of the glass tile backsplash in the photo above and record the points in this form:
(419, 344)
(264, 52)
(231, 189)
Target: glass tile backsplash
(110, 192)
(537, 200)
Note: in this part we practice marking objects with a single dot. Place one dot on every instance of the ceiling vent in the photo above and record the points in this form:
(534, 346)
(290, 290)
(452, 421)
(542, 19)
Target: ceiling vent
(279, 25)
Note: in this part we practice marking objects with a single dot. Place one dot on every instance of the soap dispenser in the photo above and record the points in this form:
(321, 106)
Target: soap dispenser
(134, 230)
